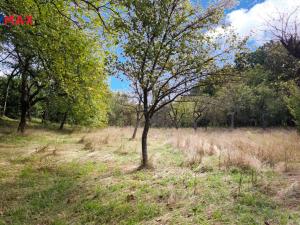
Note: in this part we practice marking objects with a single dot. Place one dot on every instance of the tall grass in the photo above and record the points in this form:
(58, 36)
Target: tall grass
(247, 148)
(278, 149)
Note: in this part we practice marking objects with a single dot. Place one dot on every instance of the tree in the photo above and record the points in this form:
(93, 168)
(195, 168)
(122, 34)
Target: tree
(268, 69)
(85, 107)
(125, 110)
(274, 58)
(122, 110)
(200, 105)
(294, 103)
(10, 98)
(235, 98)
(285, 28)
(168, 47)
(177, 112)
(53, 53)
(9, 76)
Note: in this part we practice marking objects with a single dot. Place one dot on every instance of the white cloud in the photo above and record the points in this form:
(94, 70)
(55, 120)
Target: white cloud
(254, 22)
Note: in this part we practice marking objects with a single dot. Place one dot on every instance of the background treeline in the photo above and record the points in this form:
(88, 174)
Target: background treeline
(260, 92)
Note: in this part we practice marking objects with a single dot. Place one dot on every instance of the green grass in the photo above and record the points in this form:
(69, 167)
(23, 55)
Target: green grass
(77, 186)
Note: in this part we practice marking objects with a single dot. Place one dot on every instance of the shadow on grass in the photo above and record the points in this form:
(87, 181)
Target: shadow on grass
(8, 126)
(60, 195)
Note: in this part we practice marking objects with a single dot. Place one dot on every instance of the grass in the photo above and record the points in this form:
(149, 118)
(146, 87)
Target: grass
(48, 177)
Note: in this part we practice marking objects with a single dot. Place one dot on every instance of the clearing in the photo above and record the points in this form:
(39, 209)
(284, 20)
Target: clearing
(245, 176)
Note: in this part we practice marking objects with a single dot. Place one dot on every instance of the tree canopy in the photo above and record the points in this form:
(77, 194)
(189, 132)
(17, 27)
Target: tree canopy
(53, 59)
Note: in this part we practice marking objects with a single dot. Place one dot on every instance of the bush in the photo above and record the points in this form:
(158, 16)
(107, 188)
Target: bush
(294, 103)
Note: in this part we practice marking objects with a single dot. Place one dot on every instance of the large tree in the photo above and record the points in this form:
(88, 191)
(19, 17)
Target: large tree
(53, 53)
(168, 47)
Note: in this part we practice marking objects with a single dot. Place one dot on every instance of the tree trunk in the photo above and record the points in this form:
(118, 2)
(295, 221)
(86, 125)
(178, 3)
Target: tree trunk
(137, 124)
(45, 115)
(232, 120)
(195, 125)
(29, 112)
(176, 125)
(63, 121)
(6, 97)
(144, 142)
(24, 103)
(264, 123)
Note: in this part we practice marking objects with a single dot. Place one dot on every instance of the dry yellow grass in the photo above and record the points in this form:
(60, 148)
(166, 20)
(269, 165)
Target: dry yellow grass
(276, 149)
(254, 148)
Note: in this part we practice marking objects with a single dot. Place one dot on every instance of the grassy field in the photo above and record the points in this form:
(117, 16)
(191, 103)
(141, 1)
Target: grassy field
(245, 176)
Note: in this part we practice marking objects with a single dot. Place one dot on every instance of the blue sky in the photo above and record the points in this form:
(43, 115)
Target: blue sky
(247, 4)
(248, 17)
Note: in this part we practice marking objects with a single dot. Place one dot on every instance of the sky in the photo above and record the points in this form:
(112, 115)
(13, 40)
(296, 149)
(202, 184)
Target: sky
(247, 18)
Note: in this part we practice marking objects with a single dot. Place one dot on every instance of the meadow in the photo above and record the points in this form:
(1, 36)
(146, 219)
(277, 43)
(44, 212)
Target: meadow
(90, 176)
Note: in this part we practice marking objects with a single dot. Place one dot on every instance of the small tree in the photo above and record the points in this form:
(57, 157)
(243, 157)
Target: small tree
(235, 99)
(177, 112)
(200, 106)
(123, 107)
(168, 48)
(122, 110)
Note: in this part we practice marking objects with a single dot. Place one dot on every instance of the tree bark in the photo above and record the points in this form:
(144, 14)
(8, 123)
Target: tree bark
(145, 130)
(63, 121)
(45, 115)
(29, 112)
(9, 79)
(6, 97)
(195, 125)
(144, 142)
(137, 124)
(24, 103)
